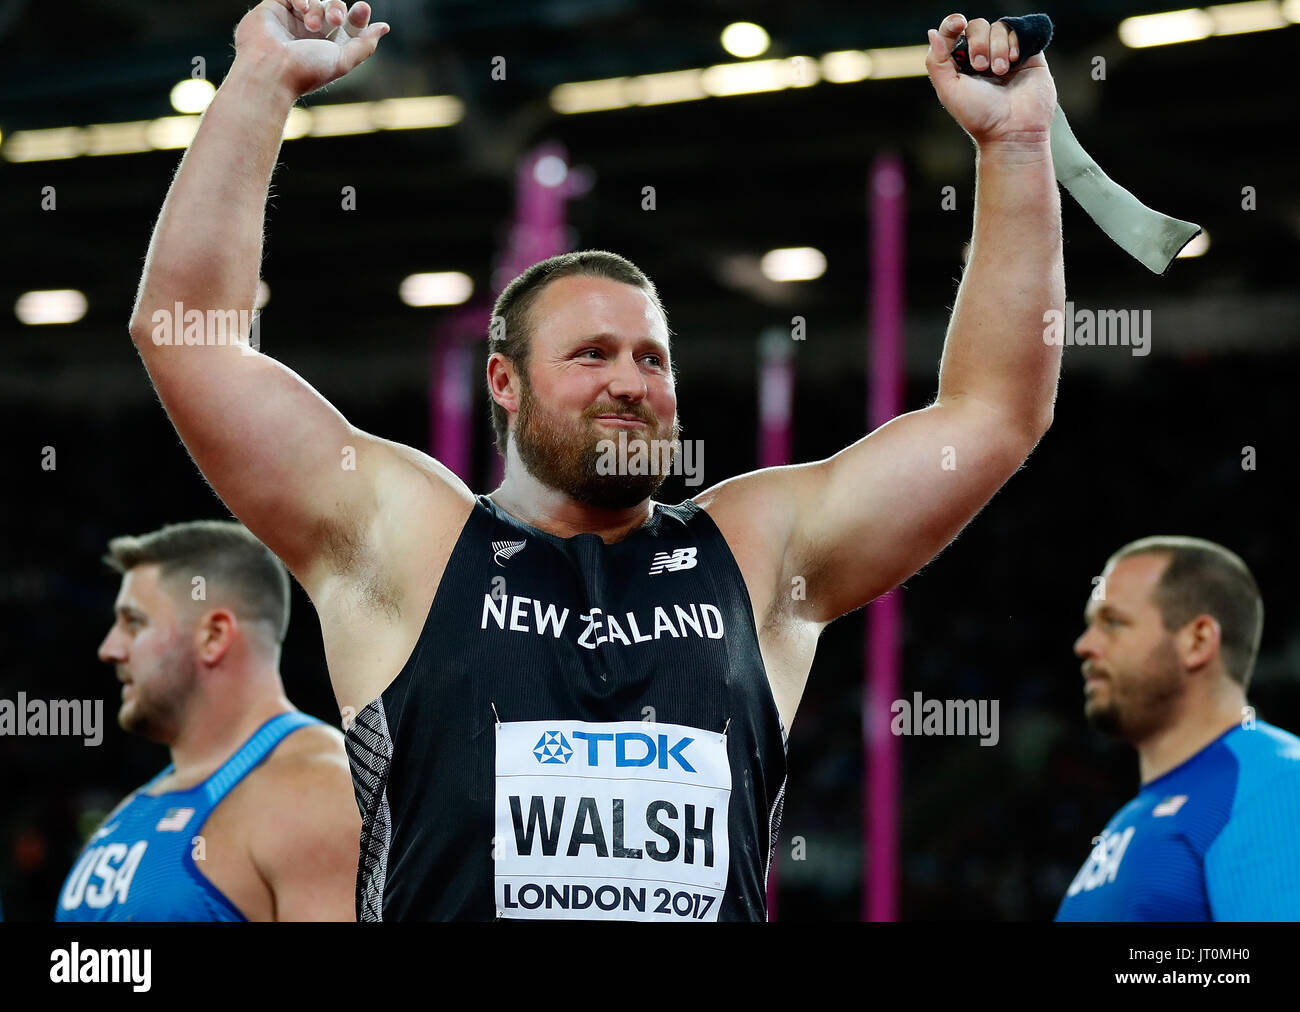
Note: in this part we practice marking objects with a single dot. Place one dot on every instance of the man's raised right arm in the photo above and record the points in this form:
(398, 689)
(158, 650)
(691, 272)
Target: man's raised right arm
(273, 448)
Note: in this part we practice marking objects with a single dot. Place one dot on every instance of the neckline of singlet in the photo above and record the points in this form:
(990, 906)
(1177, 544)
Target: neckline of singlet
(1196, 756)
(656, 513)
(202, 786)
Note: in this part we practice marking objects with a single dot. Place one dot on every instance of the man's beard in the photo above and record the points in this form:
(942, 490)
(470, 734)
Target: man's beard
(567, 457)
(156, 712)
(1144, 706)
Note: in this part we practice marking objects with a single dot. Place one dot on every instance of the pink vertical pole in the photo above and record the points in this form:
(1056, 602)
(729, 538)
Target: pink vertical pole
(775, 401)
(884, 616)
(453, 401)
(543, 184)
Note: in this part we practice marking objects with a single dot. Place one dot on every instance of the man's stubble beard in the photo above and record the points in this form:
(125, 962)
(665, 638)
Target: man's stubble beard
(567, 459)
(156, 713)
(1145, 706)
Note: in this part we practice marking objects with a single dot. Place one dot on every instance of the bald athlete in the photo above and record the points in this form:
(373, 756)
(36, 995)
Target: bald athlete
(253, 820)
(571, 700)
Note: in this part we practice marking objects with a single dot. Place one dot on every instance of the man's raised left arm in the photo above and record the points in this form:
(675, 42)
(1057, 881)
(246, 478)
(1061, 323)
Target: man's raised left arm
(862, 521)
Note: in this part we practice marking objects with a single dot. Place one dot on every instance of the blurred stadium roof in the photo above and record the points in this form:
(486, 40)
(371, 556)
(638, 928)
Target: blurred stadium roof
(1185, 127)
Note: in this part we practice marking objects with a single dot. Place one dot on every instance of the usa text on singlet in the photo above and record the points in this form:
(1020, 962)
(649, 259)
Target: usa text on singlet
(582, 731)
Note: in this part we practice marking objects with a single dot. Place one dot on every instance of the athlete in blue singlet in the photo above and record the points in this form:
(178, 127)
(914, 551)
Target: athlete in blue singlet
(140, 865)
(254, 819)
(1213, 835)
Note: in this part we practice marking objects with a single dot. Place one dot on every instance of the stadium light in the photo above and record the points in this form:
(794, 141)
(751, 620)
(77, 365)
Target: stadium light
(756, 76)
(192, 95)
(57, 305)
(1165, 29)
(659, 89)
(745, 39)
(1195, 23)
(1234, 19)
(846, 66)
(550, 170)
(797, 263)
(172, 131)
(44, 145)
(898, 61)
(445, 288)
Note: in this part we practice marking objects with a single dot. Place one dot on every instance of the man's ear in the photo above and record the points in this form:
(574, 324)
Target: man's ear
(215, 634)
(503, 381)
(1200, 642)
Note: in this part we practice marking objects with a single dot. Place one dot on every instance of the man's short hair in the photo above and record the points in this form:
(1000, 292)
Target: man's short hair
(228, 557)
(510, 330)
(1203, 578)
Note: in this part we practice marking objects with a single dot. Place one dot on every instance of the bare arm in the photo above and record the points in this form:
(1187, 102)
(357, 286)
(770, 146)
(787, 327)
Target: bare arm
(279, 455)
(307, 845)
(862, 521)
(890, 502)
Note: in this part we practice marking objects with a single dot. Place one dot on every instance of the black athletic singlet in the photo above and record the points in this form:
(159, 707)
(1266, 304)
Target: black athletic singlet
(582, 731)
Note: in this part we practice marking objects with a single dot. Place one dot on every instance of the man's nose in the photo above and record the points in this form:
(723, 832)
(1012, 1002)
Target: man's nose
(625, 380)
(111, 650)
(1083, 645)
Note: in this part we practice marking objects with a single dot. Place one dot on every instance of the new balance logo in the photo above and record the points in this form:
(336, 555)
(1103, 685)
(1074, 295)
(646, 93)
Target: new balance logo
(681, 558)
(504, 551)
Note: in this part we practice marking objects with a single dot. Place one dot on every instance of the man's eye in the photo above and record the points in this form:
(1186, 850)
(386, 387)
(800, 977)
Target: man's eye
(655, 360)
(591, 351)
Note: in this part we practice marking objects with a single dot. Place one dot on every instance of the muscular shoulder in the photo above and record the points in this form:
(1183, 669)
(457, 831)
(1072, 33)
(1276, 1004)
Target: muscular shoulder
(306, 756)
(757, 514)
(304, 833)
(307, 812)
(420, 506)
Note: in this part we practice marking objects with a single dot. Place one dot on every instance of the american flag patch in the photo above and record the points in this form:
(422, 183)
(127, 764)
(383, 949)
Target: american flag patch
(1169, 805)
(174, 821)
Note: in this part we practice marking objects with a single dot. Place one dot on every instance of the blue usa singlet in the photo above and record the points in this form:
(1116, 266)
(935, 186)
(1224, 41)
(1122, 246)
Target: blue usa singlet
(140, 865)
(1217, 838)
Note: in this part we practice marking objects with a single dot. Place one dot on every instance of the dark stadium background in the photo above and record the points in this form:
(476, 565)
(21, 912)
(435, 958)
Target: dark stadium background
(1140, 445)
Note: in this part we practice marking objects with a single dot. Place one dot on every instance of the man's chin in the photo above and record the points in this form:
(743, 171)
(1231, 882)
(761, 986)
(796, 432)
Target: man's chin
(133, 721)
(129, 718)
(618, 492)
(581, 468)
(1102, 718)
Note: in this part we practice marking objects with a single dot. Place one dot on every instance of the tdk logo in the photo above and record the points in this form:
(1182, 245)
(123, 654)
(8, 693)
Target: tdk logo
(632, 748)
(552, 748)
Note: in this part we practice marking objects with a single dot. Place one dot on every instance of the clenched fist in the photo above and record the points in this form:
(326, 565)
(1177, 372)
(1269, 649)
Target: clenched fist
(1016, 106)
(306, 42)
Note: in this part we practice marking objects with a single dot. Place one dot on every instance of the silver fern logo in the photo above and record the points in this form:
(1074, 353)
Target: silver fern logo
(504, 551)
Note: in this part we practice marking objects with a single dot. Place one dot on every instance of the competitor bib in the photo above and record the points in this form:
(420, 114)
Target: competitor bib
(610, 821)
